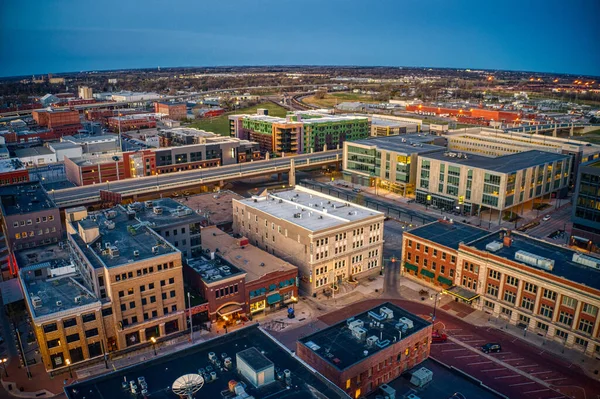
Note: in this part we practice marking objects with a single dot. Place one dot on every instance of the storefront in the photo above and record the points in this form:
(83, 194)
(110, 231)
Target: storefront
(461, 294)
(230, 312)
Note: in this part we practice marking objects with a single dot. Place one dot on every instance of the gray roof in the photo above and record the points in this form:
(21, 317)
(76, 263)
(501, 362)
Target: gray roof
(448, 234)
(502, 164)
(405, 144)
(24, 198)
(173, 213)
(32, 151)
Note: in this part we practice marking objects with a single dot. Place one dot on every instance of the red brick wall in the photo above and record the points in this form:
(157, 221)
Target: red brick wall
(14, 177)
(448, 266)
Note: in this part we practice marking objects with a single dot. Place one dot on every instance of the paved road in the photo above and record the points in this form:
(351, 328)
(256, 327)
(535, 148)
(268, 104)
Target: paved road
(546, 376)
(184, 179)
(560, 220)
(392, 248)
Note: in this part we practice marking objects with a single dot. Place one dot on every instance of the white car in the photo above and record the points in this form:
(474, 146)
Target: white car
(546, 218)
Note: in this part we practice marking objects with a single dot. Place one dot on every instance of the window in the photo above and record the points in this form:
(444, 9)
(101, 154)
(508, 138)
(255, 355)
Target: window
(88, 317)
(562, 334)
(121, 293)
(510, 280)
(91, 333)
(585, 326)
(505, 311)
(144, 301)
(527, 303)
(151, 286)
(443, 256)
(154, 313)
(492, 290)
(142, 288)
(453, 259)
(69, 322)
(107, 312)
(565, 318)
(494, 274)
(589, 309)
(152, 299)
(53, 343)
(488, 304)
(546, 311)
(581, 342)
(174, 308)
(530, 287)
(510, 296)
(164, 295)
(524, 319)
(549, 295)
(130, 291)
(542, 326)
(123, 307)
(133, 319)
(163, 283)
(172, 280)
(73, 338)
(569, 302)
(132, 305)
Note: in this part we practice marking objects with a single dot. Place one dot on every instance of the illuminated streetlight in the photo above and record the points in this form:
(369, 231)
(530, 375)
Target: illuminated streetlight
(4, 361)
(69, 365)
(153, 344)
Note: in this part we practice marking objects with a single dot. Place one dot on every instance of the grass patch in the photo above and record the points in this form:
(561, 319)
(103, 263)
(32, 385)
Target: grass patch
(331, 99)
(591, 137)
(220, 124)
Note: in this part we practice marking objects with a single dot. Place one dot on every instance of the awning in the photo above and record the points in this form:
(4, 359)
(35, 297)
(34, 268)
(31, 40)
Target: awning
(410, 267)
(581, 238)
(229, 309)
(427, 273)
(273, 298)
(462, 293)
(444, 280)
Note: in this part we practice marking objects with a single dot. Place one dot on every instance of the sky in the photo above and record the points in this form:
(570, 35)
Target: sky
(53, 36)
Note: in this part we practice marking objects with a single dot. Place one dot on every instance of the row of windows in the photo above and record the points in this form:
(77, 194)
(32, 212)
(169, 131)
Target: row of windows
(86, 318)
(40, 232)
(53, 343)
(226, 291)
(29, 222)
(144, 271)
(434, 253)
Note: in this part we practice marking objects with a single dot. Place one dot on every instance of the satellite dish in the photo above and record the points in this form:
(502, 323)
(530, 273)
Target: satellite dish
(187, 385)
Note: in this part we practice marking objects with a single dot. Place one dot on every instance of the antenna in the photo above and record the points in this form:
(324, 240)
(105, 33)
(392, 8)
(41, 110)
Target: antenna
(187, 385)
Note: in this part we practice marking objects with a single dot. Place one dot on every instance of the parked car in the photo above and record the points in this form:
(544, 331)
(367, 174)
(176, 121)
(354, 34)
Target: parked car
(491, 347)
(356, 190)
(437, 336)
(546, 218)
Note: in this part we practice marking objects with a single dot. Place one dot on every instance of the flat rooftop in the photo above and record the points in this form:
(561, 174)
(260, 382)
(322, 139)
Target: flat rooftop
(33, 151)
(56, 293)
(215, 208)
(391, 122)
(213, 270)
(502, 164)
(446, 382)
(24, 198)
(166, 212)
(448, 234)
(563, 257)
(11, 165)
(310, 209)
(161, 372)
(188, 131)
(405, 144)
(254, 261)
(91, 139)
(339, 346)
(96, 159)
(63, 145)
(306, 118)
(126, 234)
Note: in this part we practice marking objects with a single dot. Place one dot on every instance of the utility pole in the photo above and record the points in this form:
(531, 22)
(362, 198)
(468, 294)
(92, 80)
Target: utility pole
(191, 324)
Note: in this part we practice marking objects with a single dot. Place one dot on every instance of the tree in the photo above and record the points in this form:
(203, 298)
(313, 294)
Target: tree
(320, 94)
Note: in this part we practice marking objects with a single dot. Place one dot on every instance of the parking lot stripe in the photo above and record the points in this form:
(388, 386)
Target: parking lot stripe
(473, 364)
(541, 372)
(510, 360)
(452, 350)
(556, 379)
(522, 383)
(462, 336)
(529, 365)
(467, 356)
(498, 369)
(539, 390)
(508, 376)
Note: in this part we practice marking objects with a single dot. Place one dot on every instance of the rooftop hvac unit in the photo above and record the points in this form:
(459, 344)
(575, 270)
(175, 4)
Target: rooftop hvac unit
(110, 224)
(37, 301)
(407, 321)
(77, 299)
(149, 204)
(155, 248)
(401, 327)
(376, 316)
(535, 260)
(355, 323)
(371, 341)
(494, 246)
(113, 251)
(136, 253)
(585, 260)
(359, 333)
(58, 303)
(158, 210)
(313, 346)
(387, 312)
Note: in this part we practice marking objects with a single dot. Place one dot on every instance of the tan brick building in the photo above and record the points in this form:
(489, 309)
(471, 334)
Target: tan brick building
(117, 285)
(547, 289)
(329, 240)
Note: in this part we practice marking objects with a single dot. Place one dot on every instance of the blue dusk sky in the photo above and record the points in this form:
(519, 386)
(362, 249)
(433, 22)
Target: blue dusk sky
(79, 35)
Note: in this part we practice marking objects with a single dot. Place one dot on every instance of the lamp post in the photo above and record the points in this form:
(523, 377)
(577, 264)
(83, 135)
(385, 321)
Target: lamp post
(191, 325)
(435, 299)
(107, 185)
(153, 339)
(69, 366)
(4, 361)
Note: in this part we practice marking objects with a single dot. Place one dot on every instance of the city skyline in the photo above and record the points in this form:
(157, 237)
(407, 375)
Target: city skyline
(68, 36)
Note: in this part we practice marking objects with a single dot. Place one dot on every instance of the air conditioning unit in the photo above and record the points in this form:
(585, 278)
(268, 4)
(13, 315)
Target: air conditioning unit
(58, 303)
(37, 301)
(77, 299)
(136, 253)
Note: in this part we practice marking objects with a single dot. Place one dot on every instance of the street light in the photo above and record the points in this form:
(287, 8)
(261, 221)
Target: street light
(435, 299)
(153, 344)
(69, 366)
(4, 361)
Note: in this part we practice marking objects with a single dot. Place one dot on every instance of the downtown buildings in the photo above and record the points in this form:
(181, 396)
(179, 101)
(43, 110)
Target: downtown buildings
(586, 207)
(113, 284)
(330, 241)
(544, 288)
(302, 132)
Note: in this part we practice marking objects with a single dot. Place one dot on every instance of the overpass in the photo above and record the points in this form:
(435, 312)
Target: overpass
(166, 98)
(554, 127)
(154, 185)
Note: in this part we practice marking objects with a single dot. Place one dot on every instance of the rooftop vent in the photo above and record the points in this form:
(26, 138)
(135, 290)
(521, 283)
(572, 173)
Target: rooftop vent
(494, 246)
(585, 260)
(535, 260)
(136, 253)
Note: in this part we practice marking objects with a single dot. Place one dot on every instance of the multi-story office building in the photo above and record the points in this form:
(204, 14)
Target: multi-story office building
(175, 222)
(300, 132)
(85, 92)
(330, 241)
(390, 127)
(472, 182)
(13, 171)
(116, 285)
(495, 143)
(586, 207)
(370, 349)
(546, 288)
(238, 279)
(29, 216)
(124, 123)
(389, 162)
(175, 111)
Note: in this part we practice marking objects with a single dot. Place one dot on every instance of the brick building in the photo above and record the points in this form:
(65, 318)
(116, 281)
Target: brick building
(114, 284)
(331, 241)
(61, 122)
(125, 123)
(548, 289)
(369, 349)
(176, 111)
